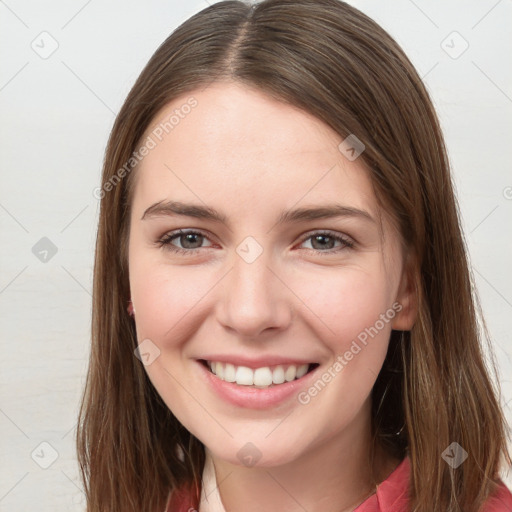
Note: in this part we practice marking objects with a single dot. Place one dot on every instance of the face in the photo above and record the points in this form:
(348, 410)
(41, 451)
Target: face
(264, 278)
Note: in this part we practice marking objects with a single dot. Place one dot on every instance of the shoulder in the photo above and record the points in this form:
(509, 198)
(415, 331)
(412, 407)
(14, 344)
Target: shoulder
(500, 501)
(182, 500)
(392, 493)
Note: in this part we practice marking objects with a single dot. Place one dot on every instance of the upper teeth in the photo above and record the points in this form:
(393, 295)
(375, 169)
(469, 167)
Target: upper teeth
(263, 377)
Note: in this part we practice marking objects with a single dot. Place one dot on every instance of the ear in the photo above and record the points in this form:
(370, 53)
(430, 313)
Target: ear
(406, 299)
(130, 308)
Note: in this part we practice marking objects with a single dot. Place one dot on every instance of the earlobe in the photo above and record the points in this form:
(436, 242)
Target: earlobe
(407, 298)
(130, 308)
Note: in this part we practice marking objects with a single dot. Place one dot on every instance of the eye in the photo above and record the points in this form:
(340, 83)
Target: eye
(190, 241)
(324, 242)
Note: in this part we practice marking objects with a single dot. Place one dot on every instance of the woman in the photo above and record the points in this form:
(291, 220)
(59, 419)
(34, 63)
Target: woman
(279, 246)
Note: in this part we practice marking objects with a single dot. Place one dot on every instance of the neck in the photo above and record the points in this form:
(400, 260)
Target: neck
(332, 476)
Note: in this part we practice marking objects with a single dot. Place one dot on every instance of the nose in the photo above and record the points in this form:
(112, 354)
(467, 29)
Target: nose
(254, 299)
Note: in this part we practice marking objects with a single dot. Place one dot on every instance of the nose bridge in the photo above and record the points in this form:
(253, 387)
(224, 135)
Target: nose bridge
(253, 299)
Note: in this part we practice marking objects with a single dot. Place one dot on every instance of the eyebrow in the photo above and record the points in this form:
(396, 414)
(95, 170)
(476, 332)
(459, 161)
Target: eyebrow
(173, 208)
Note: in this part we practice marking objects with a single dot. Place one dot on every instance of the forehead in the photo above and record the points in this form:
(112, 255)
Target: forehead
(232, 144)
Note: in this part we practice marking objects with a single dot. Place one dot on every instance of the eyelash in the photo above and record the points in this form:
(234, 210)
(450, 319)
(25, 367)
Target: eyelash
(166, 240)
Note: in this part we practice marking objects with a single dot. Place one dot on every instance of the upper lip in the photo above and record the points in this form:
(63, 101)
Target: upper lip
(257, 362)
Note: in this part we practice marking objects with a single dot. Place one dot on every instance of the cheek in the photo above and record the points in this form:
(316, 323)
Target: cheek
(355, 311)
(347, 303)
(166, 298)
(170, 307)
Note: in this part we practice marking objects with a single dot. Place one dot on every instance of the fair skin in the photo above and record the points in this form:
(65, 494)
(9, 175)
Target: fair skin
(304, 299)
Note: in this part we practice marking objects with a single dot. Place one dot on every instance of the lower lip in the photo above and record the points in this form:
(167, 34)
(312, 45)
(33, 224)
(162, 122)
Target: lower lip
(255, 398)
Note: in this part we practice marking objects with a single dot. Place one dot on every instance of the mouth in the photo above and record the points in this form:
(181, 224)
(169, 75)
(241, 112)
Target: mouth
(260, 378)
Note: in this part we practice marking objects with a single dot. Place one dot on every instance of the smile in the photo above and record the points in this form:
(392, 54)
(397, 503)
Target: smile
(263, 377)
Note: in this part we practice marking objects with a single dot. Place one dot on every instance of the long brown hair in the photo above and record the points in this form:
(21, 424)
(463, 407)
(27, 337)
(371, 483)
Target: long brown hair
(334, 62)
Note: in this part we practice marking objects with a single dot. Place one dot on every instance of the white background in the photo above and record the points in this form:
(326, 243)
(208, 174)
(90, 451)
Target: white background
(56, 116)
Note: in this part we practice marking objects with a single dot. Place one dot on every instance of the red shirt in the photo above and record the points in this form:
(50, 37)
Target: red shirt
(391, 496)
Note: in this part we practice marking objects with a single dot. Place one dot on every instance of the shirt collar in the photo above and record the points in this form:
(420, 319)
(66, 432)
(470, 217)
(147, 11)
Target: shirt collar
(391, 494)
